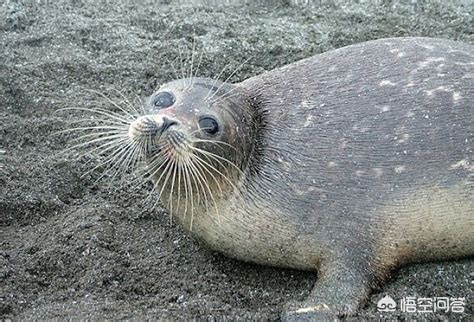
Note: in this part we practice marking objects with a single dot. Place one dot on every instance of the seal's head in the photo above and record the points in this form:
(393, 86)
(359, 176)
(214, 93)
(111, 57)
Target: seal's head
(197, 136)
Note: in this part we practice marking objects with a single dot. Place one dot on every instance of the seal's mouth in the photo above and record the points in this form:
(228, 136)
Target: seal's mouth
(158, 137)
(147, 126)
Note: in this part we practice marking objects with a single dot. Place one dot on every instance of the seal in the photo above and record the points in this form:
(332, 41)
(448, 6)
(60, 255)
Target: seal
(349, 163)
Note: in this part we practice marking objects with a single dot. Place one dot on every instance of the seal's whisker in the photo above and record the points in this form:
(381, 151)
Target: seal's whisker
(185, 184)
(176, 173)
(99, 130)
(93, 120)
(93, 135)
(208, 167)
(93, 138)
(108, 160)
(230, 76)
(124, 162)
(202, 181)
(110, 114)
(190, 84)
(117, 112)
(115, 152)
(190, 186)
(140, 155)
(109, 168)
(97, 110)
(178, 168)
(158, 160)
(133, 158)
(103, 150)
(111, 101)
(138, 101)
(105, 147)
(217, 158)
(205, 168)
(150, 170)
(153, 169)
(171, 196)
(168, 175)
(197, 69)
(153, 166)
(195, 74)
(222, 174)
(98, 127)
(208, 157)
(216, 142)
(192, 176)
(195, 131)
(157, 183)
(182, 67)
(126, 101)
(215, 81)
(115, 138)
(142, 176)
(197, 183)
(171, 63)
(97, 137)
(115, 166)
(225, 96)
(111, 145)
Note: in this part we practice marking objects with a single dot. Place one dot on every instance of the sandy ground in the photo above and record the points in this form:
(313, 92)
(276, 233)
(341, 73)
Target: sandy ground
(75, 246)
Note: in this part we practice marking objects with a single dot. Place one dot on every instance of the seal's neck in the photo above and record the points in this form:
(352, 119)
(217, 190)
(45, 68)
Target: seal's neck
(258, 132)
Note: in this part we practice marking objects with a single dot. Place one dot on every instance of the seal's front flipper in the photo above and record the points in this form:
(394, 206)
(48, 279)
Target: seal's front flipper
(339, 291)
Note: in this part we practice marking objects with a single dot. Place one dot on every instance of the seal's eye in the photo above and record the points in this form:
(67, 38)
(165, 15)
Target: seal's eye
(163, 100)
(209, 125)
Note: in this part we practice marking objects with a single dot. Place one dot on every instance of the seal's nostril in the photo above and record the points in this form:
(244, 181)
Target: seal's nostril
(167, 123)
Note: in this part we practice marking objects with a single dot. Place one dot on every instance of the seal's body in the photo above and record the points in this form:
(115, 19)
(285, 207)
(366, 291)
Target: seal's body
(350, 163)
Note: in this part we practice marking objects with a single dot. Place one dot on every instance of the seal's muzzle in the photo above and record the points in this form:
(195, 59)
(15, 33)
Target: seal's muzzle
(146, 127)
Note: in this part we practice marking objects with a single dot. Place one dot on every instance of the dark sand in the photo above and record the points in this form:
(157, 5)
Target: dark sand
(74, 247)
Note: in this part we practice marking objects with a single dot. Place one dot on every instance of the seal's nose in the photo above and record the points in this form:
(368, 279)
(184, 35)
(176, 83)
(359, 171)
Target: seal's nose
(149, 126)
(167, 123)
